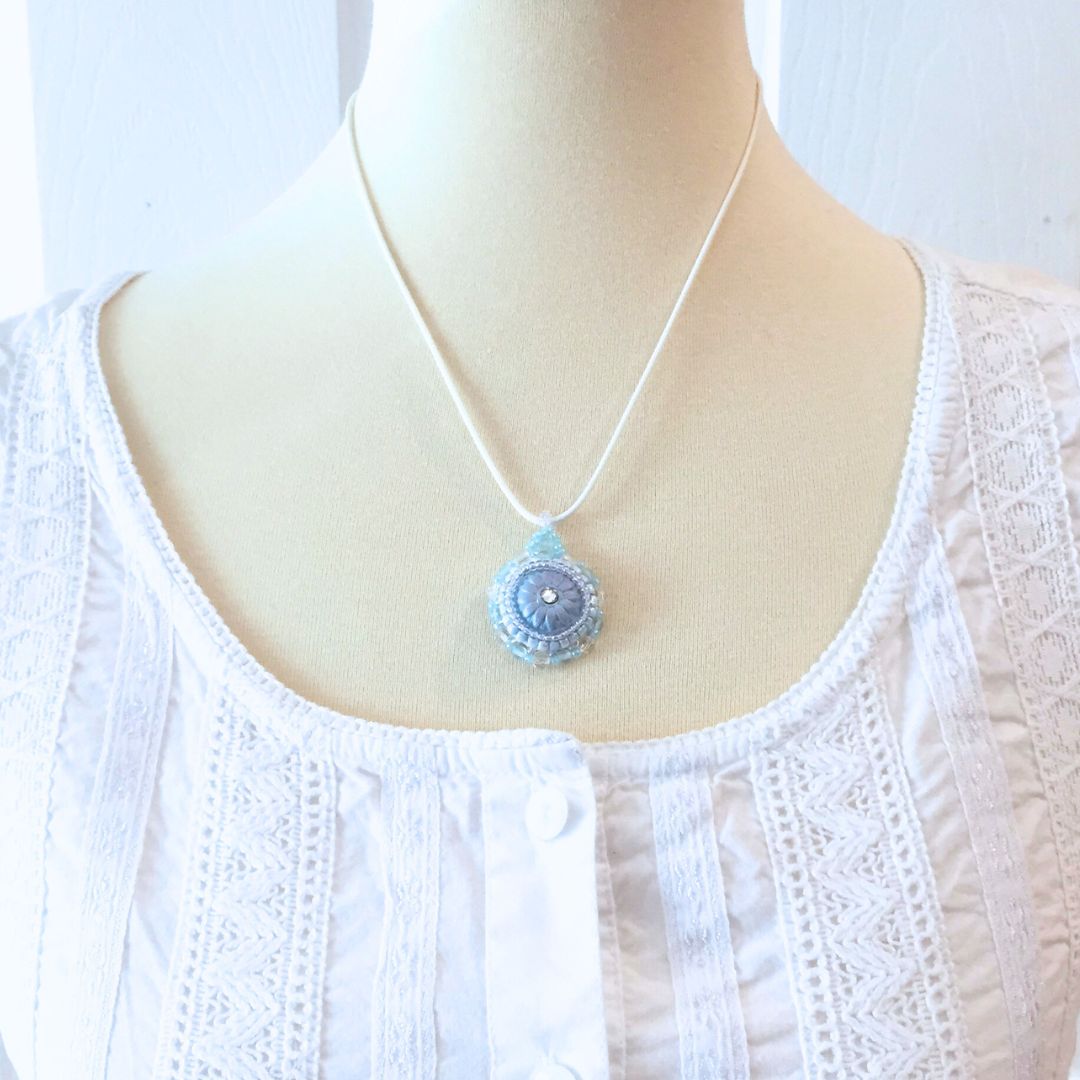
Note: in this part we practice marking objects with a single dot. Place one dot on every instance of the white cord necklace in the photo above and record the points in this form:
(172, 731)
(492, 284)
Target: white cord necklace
(545, 606)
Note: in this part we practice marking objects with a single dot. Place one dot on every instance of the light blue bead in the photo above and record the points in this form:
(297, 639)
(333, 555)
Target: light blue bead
(546, 544)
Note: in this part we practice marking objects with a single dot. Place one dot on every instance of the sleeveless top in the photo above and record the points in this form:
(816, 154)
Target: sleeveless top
(204, 874)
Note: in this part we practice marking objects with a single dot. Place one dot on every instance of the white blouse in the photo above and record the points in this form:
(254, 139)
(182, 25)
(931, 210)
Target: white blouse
(204, 874)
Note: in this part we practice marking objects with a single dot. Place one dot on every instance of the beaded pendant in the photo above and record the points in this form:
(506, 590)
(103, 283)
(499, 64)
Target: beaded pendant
(544, 606)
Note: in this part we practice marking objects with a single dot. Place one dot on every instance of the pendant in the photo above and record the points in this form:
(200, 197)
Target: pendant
(545, 606)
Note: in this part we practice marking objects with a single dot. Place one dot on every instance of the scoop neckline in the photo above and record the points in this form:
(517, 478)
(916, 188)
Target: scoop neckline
(724, 740)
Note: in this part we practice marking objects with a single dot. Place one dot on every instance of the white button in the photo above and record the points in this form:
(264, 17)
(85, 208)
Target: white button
(550, 1070)
(546, 815)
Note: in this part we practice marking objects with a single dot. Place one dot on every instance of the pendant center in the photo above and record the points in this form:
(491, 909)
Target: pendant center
(548, 595)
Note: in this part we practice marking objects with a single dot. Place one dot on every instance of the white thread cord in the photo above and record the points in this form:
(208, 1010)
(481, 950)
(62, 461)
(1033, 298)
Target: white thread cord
(545, 518)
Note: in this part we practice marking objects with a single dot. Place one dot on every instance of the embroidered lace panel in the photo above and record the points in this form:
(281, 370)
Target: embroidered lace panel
(875, 989)
(245, 992)
(44, 557)
(1021, 499)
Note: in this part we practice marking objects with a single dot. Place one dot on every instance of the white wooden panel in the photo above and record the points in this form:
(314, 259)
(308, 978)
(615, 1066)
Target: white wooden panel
(161, 125)
(955, 123)
(764, 21)
(354, 42)
(21, 272)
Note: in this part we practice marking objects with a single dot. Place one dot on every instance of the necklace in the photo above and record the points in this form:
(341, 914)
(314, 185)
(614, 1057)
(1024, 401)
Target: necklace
(544, 606)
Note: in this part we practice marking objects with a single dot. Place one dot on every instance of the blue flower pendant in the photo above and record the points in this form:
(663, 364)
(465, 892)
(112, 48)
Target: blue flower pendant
(545, 607)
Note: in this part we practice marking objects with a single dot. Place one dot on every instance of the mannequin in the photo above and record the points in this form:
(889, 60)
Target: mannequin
(546, 175)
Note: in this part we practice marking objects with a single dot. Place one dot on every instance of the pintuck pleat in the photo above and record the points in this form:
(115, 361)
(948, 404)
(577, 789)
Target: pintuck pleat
(712, 1038)
(403, 1017)
(116, 820)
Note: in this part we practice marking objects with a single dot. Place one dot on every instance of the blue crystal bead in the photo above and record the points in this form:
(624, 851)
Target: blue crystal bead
(545, 606)
(545, 544)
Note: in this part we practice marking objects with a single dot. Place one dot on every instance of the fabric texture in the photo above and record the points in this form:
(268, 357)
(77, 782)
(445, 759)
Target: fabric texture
(876, 874)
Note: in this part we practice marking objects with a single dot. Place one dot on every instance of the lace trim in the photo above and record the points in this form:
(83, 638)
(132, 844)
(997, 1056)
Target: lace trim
(46, 514)
(244, 999)
(948, 663)
(116, 821)
(403, 1015)
(1021, 499)
(712, 1038)
(874, 986)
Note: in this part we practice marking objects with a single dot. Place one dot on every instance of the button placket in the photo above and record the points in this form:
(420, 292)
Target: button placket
(545, 988)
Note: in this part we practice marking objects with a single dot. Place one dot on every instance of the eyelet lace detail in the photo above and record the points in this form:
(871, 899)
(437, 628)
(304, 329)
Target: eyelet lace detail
(246, 973)
(46, 524)
(874, 982)
(1022, 504)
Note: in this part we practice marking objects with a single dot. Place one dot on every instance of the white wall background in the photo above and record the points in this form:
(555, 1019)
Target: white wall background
(134, 130)
(957, 121)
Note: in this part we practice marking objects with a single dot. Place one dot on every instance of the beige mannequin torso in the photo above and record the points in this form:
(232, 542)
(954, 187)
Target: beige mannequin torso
(309, 464)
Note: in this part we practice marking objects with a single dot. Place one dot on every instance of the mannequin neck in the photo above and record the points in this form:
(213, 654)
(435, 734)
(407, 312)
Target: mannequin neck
(554, 108)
